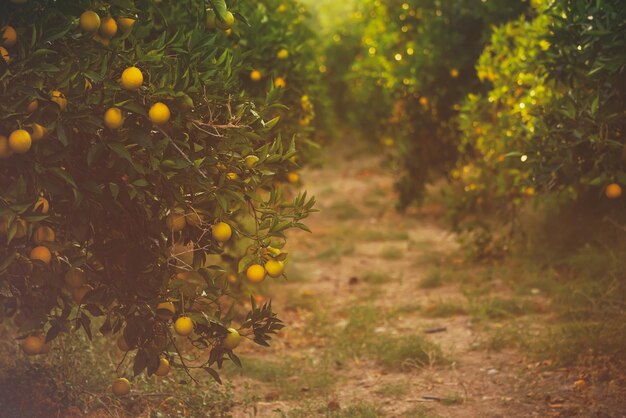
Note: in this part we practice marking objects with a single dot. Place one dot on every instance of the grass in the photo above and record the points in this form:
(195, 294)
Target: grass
(377, 235)
(335, 251)
(432, 280)
(419, 411)
(499, 308)
(444, 310)
(391, 253)
(344, 210)
(393, 390)
(361, 339)
(289, 376)
(375, 278)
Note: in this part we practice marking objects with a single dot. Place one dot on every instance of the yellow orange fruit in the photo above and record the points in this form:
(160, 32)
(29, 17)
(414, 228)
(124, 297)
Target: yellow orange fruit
(21, 225)
(5, 54)
(251, 160)
(229, 21)
(43, 234)
(221, 232)
(280, 83)
(120, 387)
(165, 310)
(274, 268)
(20, 141)
(78, 293)
(8, 36)
(282, 54)
(164, 367)
(38, 132)
(256, 75)
(281, 9)
(255, 273)
(113, 118)
(58, 98)
(159, 113)
(232, 339)
(132, 78)
(125, 23)
(5, 149)
(33, 344)
(32, 106)
(613, 191)
(75, 277)
(89, 21)
(41, 205)
(41, 253)
(293, 177)
(183, 326)
(108, 27)
(232, 176)
(454, 73)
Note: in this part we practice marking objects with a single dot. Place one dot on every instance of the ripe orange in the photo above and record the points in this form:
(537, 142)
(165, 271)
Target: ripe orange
(256, 75)
(113, 118)
(120, 387)
(9, 36)
(42, 234)
(132, 78)
(5, 54)
(221, 232)
(125, 23)
(58, 98)
(41, 205)
(39, 132)
(20, 141)
(255, 273)
(108, 28)
(33, 344)
(32, 106)
(183, 326)
(164, 367)
(159, 113)
(280, 83)
(293, 177)
(454, 73)
(75, 277)
(89, 21)
(5, 149)
(274, 268)
(165, 310)
(282, 54)
(78, 293)
(21, 228)
(613, 191)
(41, 253)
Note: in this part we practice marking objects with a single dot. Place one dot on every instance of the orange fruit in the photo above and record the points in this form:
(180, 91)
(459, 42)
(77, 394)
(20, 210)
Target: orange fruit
(89, 21)
(280, 83)
(125, 23)
(5, 149)
(164, 367)
(20, 141)
(75, 277)
(132, 78)
(33, 344)
(58, 98)
(78, 293)
(183, 326)
(232, 339)
(108, 28)
(613, 191)
(41, 253)
(42, 234)
(175, 221)
(5, 54)
(274, 268)
(38, 132)
(221, 232)
(113, 118)
(9, 36)
(256, 75)
(120, 387)
(159, 113)
(165, 310)
(41, 205)
(255, 273)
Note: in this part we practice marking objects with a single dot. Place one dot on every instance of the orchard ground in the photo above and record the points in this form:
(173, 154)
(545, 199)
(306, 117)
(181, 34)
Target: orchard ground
(385, 318)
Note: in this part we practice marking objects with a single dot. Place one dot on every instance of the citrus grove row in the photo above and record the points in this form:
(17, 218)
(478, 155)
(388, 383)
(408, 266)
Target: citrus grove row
(146, 161)
(515, 103)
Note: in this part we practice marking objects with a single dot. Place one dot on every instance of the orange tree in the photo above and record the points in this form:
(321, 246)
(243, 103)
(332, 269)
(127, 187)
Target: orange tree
(129, 156)
(414, 65)
(549, 125)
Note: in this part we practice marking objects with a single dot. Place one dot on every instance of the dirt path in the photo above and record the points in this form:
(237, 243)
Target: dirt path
(364, 288)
